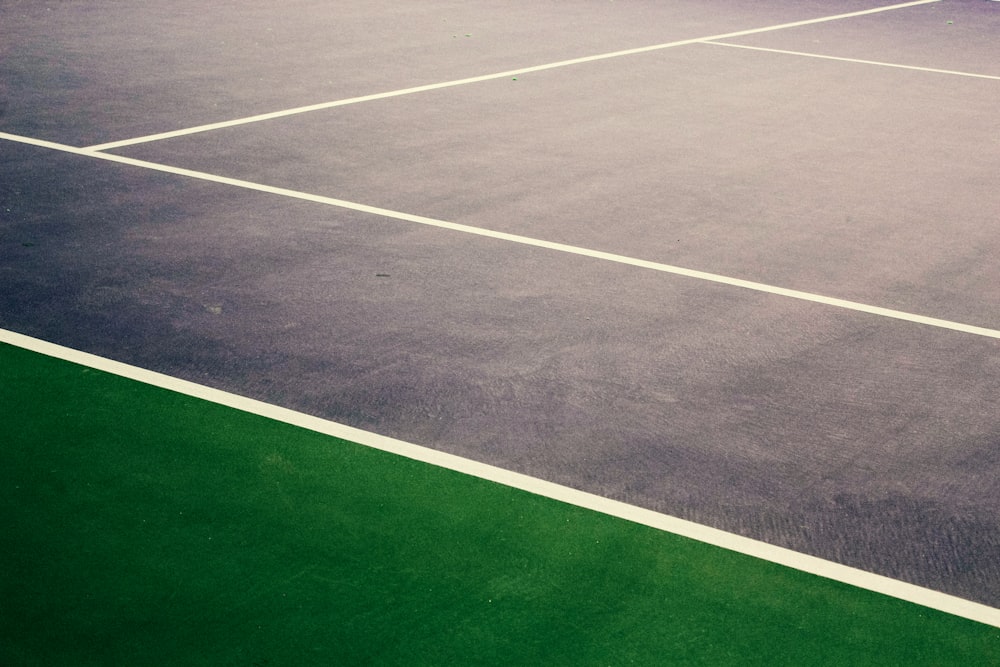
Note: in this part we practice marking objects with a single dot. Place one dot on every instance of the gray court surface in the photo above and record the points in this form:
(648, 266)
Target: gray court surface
(864, 439)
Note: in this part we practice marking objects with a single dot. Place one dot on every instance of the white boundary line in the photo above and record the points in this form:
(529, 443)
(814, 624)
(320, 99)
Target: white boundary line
(853, 60)
(523, 240)
(487, 77)
(827, 569)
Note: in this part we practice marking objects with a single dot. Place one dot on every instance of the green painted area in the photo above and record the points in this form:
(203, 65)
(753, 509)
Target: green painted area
(143, 527)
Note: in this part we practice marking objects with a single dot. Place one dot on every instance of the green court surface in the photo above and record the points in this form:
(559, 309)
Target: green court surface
(145, 527)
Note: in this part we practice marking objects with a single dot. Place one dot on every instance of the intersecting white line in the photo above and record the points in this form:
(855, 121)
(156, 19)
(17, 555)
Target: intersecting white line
(487, 77)
(516, 238)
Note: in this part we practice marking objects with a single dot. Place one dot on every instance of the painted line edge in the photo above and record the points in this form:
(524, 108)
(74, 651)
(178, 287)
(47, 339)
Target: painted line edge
(858, 61)
(523, 240)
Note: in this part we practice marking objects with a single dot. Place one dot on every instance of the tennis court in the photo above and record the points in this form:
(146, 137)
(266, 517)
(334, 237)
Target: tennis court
(701, 293)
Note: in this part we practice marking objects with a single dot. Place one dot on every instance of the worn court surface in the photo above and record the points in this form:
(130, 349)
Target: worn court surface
(864, 438)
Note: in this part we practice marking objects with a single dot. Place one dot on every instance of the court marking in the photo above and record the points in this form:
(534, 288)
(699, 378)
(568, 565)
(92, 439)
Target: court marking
(487, 77)
(853, 60)
(786, 557)
(516, 238)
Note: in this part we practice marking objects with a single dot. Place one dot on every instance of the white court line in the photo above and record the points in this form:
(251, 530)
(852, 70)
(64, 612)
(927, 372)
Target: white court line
(487, 77)
(854, 60)
(827, 569)
(523, 240)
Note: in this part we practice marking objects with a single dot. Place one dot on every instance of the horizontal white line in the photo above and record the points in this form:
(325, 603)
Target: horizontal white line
(523, 240)
(786, 557)
(487, 77)
(853, 60)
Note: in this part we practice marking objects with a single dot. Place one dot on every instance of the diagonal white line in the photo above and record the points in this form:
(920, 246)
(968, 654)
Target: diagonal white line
(854, 60)
(827, 569)
(523, 240)
(487, 77)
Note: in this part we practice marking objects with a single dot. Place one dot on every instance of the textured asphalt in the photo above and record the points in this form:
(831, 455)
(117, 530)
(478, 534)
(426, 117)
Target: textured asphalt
(866, 440)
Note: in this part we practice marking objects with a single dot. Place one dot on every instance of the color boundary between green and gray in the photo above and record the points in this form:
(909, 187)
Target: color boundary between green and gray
(805, 563)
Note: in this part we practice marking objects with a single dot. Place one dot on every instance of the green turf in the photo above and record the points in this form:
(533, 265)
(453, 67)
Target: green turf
(143, 527)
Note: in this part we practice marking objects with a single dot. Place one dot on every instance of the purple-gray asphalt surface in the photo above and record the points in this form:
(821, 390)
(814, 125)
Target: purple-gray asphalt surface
(863, 439)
